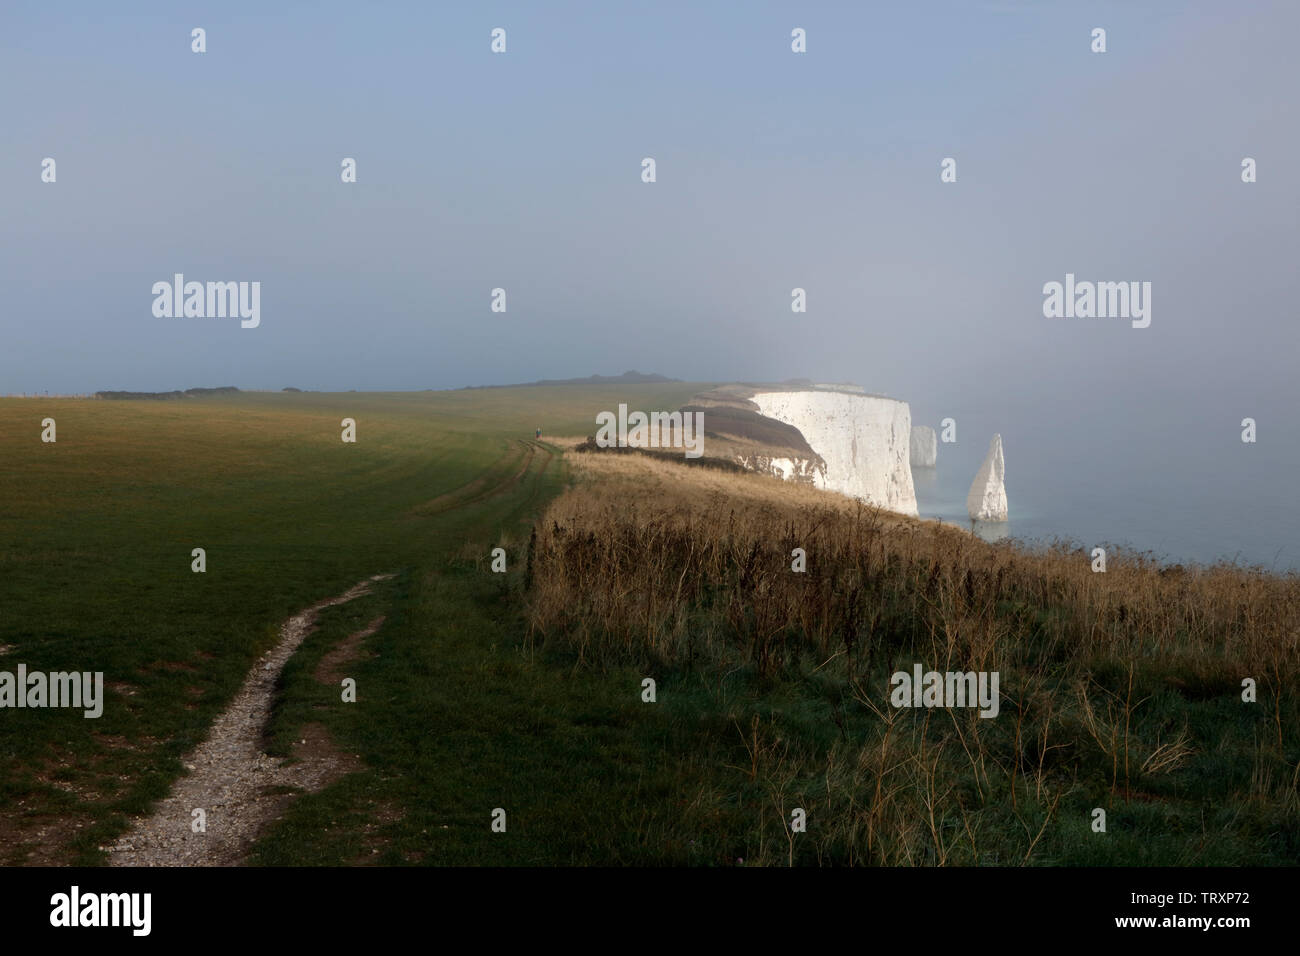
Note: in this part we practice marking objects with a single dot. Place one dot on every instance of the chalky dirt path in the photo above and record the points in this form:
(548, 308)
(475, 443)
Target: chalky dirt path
(240, 788)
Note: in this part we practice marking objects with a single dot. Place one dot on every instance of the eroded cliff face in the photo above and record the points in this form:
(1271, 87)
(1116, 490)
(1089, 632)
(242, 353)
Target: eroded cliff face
(863, 441)
(737, 431)
(808, 471)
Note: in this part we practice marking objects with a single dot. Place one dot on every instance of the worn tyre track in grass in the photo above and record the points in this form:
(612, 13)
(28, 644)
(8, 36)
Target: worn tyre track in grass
(238, 786)
(533, 482)
(486, 486)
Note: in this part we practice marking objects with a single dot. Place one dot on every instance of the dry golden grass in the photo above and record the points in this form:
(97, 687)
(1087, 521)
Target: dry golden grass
(1123, 683)
(635, 538)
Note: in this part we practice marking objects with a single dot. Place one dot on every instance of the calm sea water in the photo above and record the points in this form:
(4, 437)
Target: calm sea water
(1173, 493)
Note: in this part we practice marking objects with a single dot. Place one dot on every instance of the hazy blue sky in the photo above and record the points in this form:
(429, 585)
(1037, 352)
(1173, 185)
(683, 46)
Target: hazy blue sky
(775, 170)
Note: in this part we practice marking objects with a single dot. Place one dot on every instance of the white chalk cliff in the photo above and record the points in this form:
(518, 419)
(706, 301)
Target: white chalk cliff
(864, 440)
(925, 446)
(987, 500)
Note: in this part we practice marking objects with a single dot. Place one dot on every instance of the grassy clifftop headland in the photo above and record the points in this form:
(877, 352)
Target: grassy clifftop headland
(1120, 691)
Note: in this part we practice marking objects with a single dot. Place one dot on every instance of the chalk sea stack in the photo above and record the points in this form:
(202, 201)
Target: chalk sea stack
(987, 500)
(925, 446)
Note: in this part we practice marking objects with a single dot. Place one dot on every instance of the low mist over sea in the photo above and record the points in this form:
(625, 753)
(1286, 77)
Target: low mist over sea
(1180, 484)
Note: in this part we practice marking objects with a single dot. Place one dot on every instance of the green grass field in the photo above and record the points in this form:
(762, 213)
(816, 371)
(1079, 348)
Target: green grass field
(452, 720)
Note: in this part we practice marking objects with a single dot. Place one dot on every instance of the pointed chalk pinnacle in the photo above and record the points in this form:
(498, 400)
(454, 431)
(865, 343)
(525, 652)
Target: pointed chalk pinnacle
(987, 500)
